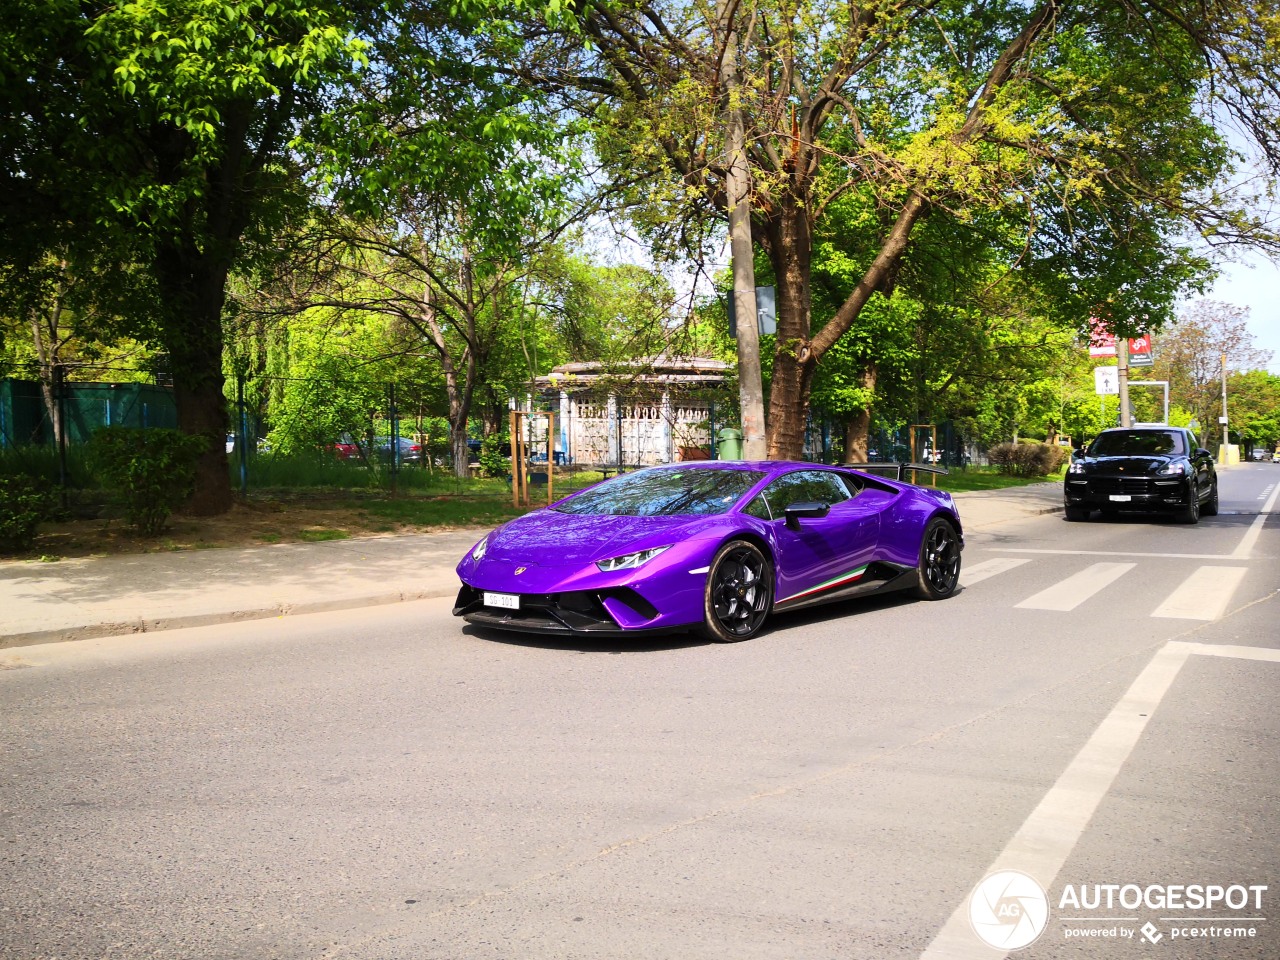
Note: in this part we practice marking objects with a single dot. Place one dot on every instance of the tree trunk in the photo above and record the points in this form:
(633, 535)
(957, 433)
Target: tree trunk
(193, 286)
(857, 428)
(738, 185)
(49, 357)
(791, 251)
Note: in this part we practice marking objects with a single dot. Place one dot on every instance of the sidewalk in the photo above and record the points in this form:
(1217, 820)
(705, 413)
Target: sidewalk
(143, 593)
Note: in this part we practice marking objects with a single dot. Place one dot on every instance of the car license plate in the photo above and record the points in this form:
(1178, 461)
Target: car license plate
(1120, 498)
(507, 601)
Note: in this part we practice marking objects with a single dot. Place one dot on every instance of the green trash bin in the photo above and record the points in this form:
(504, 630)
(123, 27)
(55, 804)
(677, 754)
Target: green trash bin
(730, 444)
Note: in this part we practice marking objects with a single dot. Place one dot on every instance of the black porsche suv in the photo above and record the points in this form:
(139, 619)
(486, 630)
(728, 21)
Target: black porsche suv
(1147, 469)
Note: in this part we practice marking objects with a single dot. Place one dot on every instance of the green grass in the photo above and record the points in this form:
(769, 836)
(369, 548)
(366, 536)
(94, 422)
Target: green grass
(983, 478)
(441, 512)
(319, 536)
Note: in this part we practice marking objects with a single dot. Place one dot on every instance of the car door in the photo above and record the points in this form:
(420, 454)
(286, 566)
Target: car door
(1201, 463)
(824, 552)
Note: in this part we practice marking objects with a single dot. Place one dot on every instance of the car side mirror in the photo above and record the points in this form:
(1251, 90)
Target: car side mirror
(805, 510)
(1077, 454)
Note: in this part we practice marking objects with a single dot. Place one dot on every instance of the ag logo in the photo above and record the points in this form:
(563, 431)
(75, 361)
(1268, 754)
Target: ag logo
(1008, 910)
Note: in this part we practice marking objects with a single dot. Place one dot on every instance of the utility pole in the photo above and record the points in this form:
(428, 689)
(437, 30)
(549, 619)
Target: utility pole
(742, 251)
(1122, 374)
(1225, 439)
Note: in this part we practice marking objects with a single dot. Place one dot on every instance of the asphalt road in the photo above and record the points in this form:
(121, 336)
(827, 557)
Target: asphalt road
(389, 784)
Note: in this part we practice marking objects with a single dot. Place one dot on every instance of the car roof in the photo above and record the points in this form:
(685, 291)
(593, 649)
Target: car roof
(764, 466)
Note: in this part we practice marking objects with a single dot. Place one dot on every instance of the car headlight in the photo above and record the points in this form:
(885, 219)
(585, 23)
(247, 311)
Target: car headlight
(478, 551)
(1076, 467)
(1173, 470)
(630, 560)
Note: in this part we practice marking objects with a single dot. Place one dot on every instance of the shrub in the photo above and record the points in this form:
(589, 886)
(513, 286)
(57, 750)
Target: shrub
(152, 470)
(22, 506)
(1027, 459)
(493, 455)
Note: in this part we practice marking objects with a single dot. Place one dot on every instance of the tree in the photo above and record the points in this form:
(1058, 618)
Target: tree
(170, 123)
(1074, 136)
(1190, 356)
(1254, 404)
(65, 311)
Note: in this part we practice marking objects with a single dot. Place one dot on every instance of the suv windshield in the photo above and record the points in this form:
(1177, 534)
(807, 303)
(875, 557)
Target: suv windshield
(1137, 443)
(664, 493)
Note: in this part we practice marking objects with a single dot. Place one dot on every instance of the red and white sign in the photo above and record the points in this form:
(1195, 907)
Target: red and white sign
(1102, 342)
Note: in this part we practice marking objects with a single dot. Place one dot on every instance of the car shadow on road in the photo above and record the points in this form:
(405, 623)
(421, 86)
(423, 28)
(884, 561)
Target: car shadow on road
(1226, 518)
(585, 643)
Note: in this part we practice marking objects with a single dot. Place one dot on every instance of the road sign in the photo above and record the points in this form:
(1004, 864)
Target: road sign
(1106, 381)
(1140, 351)
(766, 313)
(1102, 342)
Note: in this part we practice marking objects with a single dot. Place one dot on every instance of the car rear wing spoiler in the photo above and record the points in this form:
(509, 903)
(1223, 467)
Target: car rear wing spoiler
(897, 471)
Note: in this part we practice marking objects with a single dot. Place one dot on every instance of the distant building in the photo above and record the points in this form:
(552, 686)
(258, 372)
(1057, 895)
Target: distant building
(646, 412)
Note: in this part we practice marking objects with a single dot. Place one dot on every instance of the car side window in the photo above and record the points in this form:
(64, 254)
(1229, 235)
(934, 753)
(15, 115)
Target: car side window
(822, 486)
(758, 507)
(852, 483)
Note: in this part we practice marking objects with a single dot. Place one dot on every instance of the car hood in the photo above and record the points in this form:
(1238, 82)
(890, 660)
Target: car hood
(1135, 466)
(548, 538)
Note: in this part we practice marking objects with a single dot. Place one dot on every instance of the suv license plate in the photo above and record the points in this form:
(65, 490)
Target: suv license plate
(507, 601)
(1120, 498)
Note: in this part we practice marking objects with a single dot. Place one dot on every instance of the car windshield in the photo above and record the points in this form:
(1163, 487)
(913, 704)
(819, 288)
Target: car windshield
(664, 493)
(1119, 443)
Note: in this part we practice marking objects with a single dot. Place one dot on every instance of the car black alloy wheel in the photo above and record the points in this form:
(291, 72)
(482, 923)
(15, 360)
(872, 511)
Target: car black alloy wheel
(1210, 508)
(939, 569)
(1191, 513)
(739, 592)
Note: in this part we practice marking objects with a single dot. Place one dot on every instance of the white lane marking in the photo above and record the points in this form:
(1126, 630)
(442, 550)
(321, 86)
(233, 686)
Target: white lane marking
(1244, 551)
(1204, 595)
(1047, 837)
(1265, 490)
(1113, 553)
(988, 568)
(1077, 588)
(1235, 651)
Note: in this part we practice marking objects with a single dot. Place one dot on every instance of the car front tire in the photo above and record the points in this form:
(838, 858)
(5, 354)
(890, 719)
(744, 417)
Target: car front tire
(939, 571)
(1191, 513)
(1210, 508)
(739, 593)
(1076, 514)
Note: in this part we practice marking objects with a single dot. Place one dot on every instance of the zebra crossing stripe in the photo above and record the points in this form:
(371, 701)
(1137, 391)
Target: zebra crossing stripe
(1204, 595)
(1077, 588)
(989, 568)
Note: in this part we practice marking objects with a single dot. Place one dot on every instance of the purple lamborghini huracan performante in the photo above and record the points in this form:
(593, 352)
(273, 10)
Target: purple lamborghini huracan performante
(714, 546)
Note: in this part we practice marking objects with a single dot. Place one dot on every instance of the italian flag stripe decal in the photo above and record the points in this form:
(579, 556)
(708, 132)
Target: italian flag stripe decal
(839, 581)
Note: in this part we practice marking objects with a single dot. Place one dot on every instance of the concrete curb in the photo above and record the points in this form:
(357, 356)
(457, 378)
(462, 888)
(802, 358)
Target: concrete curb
(162, 624)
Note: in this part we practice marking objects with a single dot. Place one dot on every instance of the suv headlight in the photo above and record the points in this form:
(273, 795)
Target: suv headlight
(630, 560)
(1173, 470)
(1077, 467)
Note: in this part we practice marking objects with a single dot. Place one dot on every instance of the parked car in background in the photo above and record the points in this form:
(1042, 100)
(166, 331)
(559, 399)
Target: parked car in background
(1143, 469)
(410, 452)
(345, 448)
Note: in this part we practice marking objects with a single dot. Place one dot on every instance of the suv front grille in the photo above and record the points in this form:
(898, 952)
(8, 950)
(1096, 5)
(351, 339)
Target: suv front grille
(1134, 486)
